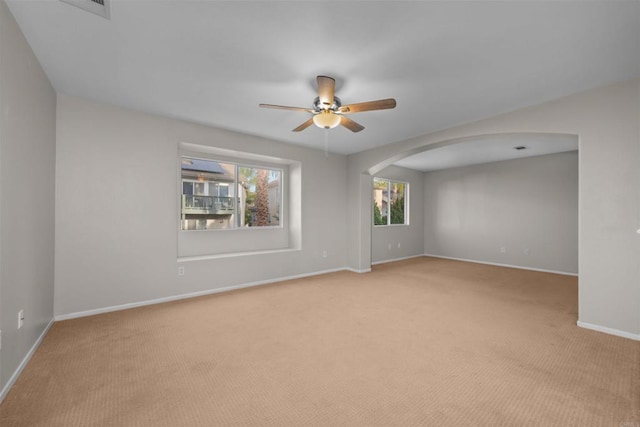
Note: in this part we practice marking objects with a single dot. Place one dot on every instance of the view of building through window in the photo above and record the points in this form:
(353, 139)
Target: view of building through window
(389, 202)
(222, 195)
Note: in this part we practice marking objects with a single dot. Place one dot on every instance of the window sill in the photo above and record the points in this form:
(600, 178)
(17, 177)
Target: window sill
(234, 255)
(237, 229)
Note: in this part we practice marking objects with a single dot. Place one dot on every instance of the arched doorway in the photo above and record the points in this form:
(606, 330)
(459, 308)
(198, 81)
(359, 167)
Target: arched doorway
(508, 199)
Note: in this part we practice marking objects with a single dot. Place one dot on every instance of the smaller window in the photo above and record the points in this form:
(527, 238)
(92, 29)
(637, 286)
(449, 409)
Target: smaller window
(390, 205)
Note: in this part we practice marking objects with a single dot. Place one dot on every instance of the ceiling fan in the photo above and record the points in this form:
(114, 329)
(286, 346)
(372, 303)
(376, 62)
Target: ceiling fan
(328, 111)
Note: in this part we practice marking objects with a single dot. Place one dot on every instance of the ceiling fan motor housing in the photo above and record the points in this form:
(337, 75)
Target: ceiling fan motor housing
(318, 106)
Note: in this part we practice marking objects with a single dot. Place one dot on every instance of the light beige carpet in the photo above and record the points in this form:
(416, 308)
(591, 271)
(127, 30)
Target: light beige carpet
(423, 342)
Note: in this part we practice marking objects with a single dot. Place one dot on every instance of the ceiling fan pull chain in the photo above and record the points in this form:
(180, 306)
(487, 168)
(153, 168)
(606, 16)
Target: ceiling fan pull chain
(326, 142)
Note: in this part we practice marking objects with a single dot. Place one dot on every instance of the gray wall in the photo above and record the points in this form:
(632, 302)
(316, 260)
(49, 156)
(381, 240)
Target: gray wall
(117, 212)
(606, 122)
(27, 161)
(385, 240)
(527, 206)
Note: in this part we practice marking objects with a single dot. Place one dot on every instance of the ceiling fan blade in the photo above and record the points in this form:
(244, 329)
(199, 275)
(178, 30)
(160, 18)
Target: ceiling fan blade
(304, 125)
(350, 124)
(284, 107)
(381, 104)
(326, 90)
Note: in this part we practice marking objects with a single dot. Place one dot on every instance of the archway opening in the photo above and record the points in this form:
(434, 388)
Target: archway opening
(509, 199)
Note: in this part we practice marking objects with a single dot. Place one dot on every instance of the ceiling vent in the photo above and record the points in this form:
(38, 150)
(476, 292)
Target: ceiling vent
(97, 7)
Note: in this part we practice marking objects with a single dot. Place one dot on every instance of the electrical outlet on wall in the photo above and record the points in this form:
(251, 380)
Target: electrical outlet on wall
(181, 270)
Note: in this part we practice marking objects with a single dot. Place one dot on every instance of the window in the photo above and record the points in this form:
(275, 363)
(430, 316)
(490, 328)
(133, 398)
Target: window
(222, 192)
(222, 195)
(389, 202)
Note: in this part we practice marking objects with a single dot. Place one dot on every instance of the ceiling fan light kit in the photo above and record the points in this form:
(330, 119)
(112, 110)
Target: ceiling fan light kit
(326, 119)
(328, 111)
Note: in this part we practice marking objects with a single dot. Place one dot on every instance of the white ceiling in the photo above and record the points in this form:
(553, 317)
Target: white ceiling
(445, 62)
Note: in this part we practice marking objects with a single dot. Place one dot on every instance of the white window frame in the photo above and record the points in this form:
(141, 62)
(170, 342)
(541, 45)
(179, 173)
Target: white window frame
(406, 202)
(236, 164)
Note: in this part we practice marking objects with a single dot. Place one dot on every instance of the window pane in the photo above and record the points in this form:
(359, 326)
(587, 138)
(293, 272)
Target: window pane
(397, 198)
(187, 187)
(203, 207)
(380, 201)
(198, 189)
(262, 196)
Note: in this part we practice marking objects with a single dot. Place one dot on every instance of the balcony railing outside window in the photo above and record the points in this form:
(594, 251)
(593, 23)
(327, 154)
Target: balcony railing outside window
(203, 205)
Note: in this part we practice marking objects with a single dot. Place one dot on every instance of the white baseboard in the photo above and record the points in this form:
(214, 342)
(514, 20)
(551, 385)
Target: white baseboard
(355, 270)
(564, 273)
(610, 331)
(396, 259)
(189, 295)
(25, 360)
